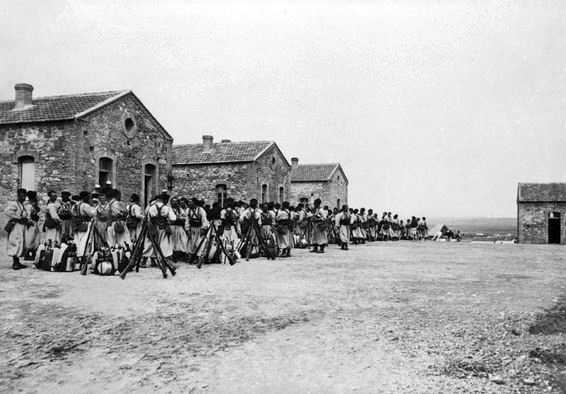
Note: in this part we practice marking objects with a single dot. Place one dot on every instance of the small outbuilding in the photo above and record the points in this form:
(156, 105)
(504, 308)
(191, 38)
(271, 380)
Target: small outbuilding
(541, 210)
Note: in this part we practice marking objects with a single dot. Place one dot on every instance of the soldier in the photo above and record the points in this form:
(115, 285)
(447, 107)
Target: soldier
(33, 235)
(197, 225)
(134, 219)
(247, 219)
(18, 220)
(343, 221)
(230, 223)
(160, 215)
(302, 225)
(83, 222)
(117, 231)
(52, 224)
(64, 212)
(178, 234)
(319, 237)
(100, 224)
(284, 226)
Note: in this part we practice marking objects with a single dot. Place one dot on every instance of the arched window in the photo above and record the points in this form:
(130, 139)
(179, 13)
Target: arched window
(338, 203)
(26, 166)
(264, 193)
(281, 194)
(105, 171)
(149, 182)
(222, 194)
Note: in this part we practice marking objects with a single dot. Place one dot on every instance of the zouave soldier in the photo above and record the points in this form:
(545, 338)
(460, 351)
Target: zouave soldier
(83, 222)
(197, 225)
(64, 212)
(134, 220)
(117, 231)
(52, 224)
(18, 220)
(33, 235)
(284, 226)
(319, 236)
(178, 235)
(343, 221)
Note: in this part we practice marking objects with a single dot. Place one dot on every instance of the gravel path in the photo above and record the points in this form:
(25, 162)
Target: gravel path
(384, 317)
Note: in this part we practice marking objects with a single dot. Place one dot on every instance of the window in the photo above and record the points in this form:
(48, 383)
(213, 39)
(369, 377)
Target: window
(338, 203)
(281, 194)
(27, 172)
(222, 194)
(263, 193)
(129, 124)
(105, 168)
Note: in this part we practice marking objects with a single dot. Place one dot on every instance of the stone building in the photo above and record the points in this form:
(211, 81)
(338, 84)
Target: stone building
(73, 142)
(325, 181)
(541, 210)
(240, 170)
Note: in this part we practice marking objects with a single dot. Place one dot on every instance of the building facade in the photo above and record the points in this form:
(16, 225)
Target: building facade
(325, 181)
(73, 142)
(541, 213)
(240, 170)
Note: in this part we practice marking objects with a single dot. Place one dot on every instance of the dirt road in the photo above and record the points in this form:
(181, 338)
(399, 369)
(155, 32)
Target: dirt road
(385, 317)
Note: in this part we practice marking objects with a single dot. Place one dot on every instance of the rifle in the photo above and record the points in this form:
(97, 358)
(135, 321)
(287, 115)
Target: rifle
(84, 266)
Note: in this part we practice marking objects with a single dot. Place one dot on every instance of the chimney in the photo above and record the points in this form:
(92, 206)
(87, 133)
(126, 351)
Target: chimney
(207, 142)
(225, 141)
(294, 162)
(23, 95)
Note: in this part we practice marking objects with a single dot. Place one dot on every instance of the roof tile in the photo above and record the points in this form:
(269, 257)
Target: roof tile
(541, 192)
(313, 172)
(223, 152)
(53, 108)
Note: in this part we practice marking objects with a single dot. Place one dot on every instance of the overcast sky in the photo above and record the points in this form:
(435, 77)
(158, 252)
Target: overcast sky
(434, 108)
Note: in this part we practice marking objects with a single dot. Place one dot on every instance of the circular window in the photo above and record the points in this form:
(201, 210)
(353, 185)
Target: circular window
(128, 125)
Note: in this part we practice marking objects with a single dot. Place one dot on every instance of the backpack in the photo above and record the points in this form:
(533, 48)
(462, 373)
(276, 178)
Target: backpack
(131, 220)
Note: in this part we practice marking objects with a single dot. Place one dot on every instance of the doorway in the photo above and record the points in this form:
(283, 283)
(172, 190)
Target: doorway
(554, 228)
(149, 183)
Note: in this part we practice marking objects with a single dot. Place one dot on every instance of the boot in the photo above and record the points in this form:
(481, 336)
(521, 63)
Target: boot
(288, 252)
(314, 249)
(16, 265)
(321, 249)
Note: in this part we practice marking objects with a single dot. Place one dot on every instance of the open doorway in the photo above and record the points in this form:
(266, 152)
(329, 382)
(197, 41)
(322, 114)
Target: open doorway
(554, 228)
(149, 184)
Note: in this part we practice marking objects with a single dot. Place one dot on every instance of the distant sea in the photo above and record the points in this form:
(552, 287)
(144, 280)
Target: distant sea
(473, 227)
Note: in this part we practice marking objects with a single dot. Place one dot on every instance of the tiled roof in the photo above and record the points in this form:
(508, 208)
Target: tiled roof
(313, 172)
(45, 109)
(541, 192)
(223, 152)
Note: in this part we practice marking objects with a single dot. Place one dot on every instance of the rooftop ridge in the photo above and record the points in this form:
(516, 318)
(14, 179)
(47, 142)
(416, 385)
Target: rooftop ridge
(113, 92)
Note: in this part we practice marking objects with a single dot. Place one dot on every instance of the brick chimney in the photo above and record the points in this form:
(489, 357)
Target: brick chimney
(207, 142)
(294, 162)
(23, 95)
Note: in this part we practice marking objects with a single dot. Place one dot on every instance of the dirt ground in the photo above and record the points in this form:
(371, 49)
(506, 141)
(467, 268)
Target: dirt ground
(397, 317)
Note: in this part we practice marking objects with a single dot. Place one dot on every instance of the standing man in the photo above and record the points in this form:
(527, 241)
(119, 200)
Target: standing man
(197, 224)
(64, 212)
(160, 215)
(33, 235)
(52, 224)
(134, 220)
(117, 231)
(343, 221)
(178, 233)
(319, 237)
(84, 214)
(18, 220)
(284, 226)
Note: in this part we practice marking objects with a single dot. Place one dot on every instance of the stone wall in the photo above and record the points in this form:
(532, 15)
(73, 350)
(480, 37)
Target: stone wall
(201, 180)
(243, 180)
(329, 192)
(533, 221)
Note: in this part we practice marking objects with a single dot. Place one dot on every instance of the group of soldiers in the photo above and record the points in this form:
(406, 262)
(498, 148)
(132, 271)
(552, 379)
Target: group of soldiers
(101, 218)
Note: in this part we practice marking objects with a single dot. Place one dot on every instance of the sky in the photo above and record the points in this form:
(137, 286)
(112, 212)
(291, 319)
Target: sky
(433, 108)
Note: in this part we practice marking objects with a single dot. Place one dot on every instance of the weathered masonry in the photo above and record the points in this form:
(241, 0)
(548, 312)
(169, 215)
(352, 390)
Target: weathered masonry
(240, 170)
(541, 213)
(325, 181)
(73, 142)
